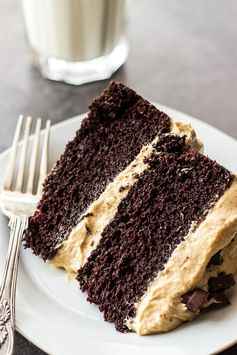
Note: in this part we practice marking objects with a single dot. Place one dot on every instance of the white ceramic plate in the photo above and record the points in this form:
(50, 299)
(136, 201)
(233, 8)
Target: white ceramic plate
(53, 313)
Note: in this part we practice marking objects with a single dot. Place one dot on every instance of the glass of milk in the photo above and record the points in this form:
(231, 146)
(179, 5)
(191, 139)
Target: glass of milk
(76, 41)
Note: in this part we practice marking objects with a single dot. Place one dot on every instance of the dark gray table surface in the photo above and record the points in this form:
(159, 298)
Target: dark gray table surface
(182, 54)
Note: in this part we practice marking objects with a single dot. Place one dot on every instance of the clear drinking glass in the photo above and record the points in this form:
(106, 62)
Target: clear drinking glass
(76, 41)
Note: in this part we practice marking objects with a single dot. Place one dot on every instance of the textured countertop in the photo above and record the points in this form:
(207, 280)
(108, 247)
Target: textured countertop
(182, 54)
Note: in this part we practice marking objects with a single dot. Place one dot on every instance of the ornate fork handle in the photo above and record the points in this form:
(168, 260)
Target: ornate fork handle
(17, 225)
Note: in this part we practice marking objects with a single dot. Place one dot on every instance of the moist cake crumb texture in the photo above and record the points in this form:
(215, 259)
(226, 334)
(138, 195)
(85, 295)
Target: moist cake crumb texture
(179, 188)
(119, 124)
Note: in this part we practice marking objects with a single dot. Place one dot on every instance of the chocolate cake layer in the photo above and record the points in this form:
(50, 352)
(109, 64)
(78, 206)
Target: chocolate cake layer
(178, 188)
(119, 124)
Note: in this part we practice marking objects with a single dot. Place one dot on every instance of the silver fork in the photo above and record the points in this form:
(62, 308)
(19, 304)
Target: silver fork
(18, 201)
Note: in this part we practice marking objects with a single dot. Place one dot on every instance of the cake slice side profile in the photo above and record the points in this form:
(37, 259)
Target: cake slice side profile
(146, 222)
(153, 267)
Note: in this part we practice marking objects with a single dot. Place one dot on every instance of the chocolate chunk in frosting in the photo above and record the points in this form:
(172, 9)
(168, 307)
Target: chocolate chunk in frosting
(218, 300)
(185, 298)
(195, 300)
(220, 283)
(216, 259)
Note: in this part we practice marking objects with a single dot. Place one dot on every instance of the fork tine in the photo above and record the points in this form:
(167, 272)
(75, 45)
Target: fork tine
(34, 155)
(19, 181)
(10, 167)
(44, 158)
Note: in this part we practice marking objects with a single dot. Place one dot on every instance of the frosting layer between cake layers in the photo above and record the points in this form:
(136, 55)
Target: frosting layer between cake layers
(160, 309)
(85, 236)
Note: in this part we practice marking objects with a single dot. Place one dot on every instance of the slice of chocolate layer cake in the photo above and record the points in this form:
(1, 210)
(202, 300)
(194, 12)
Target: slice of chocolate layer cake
(149, 222)
(170, 251)
(100, 165)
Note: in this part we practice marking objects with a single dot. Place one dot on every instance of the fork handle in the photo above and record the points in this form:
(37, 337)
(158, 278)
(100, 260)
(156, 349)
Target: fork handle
(17, 225)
